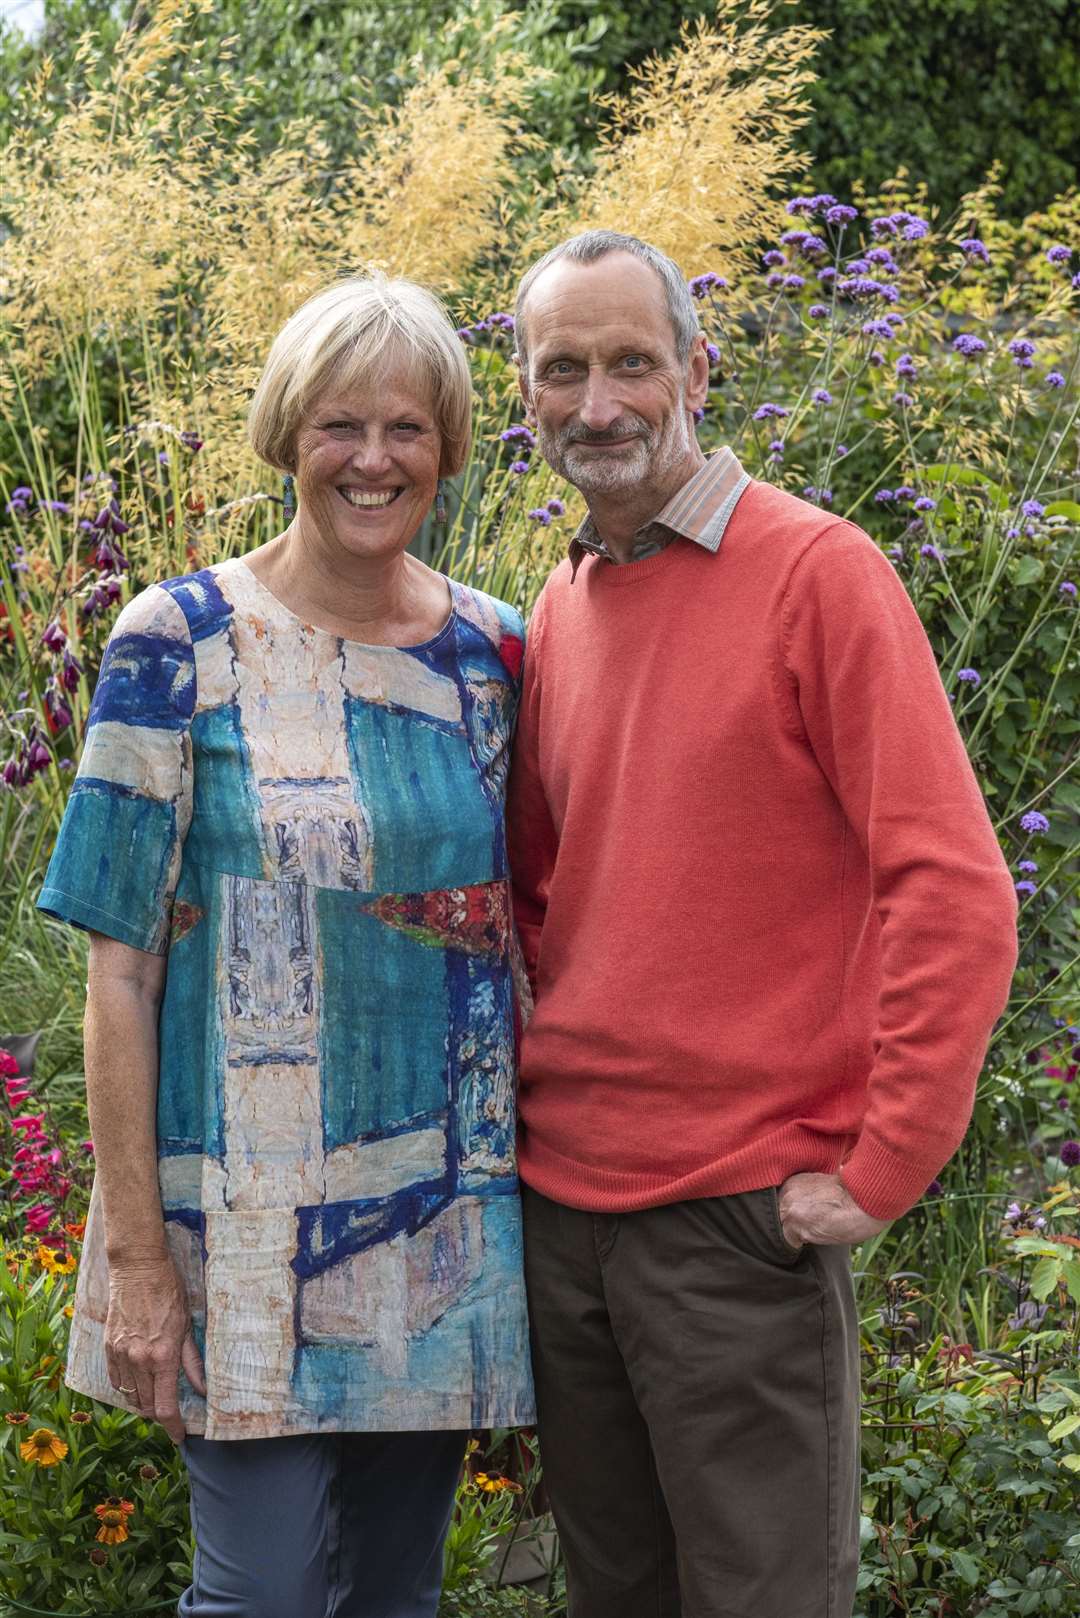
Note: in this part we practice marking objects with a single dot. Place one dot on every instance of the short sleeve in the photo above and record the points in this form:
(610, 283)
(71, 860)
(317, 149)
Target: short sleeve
(117, 859)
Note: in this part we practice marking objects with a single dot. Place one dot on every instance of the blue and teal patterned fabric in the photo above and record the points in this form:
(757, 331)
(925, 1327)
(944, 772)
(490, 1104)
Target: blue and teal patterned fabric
(312, 829)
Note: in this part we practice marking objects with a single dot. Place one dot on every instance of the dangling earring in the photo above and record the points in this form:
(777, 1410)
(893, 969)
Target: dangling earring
(289, 501)
(440, 501)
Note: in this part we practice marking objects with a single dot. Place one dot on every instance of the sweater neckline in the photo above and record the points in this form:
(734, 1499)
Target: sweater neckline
(613, 575)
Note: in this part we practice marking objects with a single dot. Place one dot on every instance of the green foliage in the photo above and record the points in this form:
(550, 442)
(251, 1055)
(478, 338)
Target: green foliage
(946, 88)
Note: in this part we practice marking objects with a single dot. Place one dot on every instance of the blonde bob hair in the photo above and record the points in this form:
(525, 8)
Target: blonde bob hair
(364, 332)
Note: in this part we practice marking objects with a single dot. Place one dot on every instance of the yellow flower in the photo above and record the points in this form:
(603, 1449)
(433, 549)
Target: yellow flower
(492, 1485)
(65, 1265)
(69, 1310)
(113, 1514)
(43, 1448)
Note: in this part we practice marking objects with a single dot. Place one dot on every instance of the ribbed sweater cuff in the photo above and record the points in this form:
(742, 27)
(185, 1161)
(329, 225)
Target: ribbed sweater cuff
(883, 1184)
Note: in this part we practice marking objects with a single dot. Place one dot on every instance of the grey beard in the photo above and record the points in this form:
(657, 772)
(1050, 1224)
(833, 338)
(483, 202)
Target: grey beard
(649, 456)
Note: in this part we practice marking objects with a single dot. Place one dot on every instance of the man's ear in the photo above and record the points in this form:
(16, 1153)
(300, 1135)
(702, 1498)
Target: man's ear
(523, 389)
(697, 373)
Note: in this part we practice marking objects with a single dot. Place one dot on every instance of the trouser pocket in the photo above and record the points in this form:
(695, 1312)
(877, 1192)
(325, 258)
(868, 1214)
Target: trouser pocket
(773, 1199)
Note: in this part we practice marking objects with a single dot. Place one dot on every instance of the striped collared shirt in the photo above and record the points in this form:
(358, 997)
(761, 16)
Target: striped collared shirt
(700, 511)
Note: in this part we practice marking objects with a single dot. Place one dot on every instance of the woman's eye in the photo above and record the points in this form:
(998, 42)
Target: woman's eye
(408, 426)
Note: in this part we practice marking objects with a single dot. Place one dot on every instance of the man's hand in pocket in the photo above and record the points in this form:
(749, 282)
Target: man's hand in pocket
(818, 1208)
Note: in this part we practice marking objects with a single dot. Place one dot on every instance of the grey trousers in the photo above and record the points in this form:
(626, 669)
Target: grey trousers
(698, 1388)
(326, 1525)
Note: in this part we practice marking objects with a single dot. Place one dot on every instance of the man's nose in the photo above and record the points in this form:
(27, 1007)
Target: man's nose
(600, 405)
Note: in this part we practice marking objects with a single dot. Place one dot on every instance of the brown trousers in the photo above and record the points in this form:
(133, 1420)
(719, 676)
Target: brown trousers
(697, 1382)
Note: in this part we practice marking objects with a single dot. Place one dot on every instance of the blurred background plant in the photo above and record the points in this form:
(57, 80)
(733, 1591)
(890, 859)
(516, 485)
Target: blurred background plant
(901, 353)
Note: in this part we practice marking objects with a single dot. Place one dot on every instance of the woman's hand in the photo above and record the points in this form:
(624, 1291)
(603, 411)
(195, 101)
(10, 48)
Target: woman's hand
(148, 1338)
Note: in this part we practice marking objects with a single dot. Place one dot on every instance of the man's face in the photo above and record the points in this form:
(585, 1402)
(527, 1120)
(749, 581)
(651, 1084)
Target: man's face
(611, 401)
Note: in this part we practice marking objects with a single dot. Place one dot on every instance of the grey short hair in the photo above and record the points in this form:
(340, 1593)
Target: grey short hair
(586, 248)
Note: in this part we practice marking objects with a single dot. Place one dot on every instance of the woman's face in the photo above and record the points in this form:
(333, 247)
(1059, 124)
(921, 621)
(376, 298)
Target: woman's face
(367, 465)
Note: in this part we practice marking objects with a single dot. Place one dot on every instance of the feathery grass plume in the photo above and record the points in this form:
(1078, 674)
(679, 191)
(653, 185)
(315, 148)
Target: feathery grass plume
(421, 199)
(105, 217)
(692, 150)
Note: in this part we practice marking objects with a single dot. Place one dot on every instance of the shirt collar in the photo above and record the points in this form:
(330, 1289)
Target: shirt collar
(699, 511)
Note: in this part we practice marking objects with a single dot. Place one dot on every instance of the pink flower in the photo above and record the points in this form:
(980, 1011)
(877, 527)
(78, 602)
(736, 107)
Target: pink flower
(17, 1091)
(8, 1065)
(39, 1218)
(33, 1123)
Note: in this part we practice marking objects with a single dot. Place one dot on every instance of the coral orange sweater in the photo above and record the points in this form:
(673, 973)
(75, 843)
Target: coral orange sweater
(766, 918)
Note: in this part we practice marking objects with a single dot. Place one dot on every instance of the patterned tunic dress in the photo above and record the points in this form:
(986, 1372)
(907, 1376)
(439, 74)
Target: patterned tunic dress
(312, 829)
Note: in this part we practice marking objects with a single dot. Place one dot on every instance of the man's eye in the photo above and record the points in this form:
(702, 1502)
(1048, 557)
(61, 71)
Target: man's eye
(561, 368)
(634, 361)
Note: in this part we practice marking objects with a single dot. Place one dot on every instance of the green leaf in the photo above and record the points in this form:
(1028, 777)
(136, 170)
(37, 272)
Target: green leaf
(1064, 1428)
(1044, 1277)
(1063, 508)
(1028, 570)
(966, 1566)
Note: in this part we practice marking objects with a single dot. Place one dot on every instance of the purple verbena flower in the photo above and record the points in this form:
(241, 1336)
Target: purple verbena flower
(1075, 282)
(1027, 866)
(818, 311)
(903, 401)
(776, 448)
(1032, 508)
(794, 283)
(465, 333)
(857, 266)
(774, 279)
(933, 552)
(1067, 587)
(934, 1189)
(556, 507)
(905, 366)
(823, 497)
(876, 328)
(772, 258)
(1069, 1153)
(701, 285)
(698, 414)
(1054, 379)
(841, 451)
(905, 492)
(865, 286)
(540, 515)
(876, 357)
(811, 246)
(824, 199)
(883, 496)
(1026, 887)
(764, 411)
(519, 468)
(1058, 254)
(972, 247)
(822, 396)
(1034, 822)
(840, 214)
(713, 352)
(968, 344)
(969, 676)
(827, 274)
(924, 503)
(519, 433)
(1021, 349)
(794, 238)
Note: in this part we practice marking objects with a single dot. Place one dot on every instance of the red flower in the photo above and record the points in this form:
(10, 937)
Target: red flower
(511, 654)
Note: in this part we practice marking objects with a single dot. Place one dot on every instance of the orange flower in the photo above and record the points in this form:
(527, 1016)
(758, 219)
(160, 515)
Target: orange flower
(492, 1485)
(113, 1514)
(57, 1263)
(43, 1447)
(77, 1231)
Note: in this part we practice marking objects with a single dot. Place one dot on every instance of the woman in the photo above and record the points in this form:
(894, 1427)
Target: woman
(286, 837)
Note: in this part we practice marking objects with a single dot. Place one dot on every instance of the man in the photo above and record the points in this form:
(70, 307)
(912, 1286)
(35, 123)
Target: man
(769, 929)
